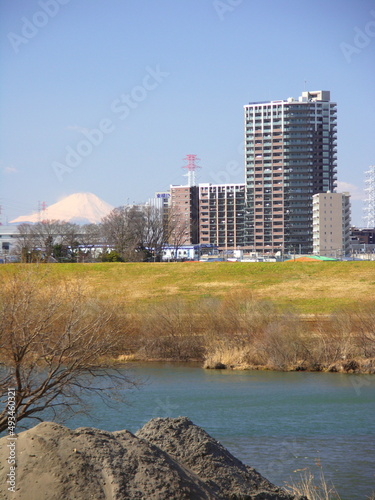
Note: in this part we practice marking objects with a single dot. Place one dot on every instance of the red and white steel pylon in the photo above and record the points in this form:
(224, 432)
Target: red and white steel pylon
(191, 168)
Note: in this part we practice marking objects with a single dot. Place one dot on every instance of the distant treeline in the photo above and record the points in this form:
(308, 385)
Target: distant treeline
(127, 234)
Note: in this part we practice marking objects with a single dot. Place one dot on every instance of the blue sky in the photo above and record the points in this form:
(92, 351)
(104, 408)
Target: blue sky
(136, 85)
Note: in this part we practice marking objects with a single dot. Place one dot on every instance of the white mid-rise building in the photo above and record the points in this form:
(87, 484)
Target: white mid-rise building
(8, 241)
(331, 224)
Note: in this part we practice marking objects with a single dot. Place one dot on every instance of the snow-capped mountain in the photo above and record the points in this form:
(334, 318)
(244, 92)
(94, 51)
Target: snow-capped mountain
(80, 208)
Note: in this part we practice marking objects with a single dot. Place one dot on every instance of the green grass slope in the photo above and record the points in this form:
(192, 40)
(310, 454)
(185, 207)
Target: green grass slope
(311, 287)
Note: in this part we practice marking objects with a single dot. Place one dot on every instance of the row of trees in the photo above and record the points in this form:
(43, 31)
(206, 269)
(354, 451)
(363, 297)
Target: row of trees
(135, 233)
(54, 238)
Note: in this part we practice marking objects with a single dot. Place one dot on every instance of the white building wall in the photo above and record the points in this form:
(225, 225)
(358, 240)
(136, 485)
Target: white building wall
(331, 224)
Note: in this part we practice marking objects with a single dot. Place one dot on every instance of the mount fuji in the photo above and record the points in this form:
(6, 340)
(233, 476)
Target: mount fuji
(80, 208)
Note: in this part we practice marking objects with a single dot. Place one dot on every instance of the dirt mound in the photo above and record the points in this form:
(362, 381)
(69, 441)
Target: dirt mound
(196, 450)
(167, 459)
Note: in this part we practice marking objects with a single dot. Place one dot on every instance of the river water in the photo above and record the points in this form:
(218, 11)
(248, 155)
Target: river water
(283, 424)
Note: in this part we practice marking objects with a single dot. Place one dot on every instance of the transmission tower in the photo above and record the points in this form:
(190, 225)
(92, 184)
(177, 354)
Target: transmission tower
(191, 168)
(42, 207)
(369, 208)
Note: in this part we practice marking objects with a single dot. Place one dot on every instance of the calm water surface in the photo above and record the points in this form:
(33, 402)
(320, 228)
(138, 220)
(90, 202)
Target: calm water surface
(279, 423)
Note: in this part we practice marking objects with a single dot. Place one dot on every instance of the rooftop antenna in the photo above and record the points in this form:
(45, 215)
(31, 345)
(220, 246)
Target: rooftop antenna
(191, 168)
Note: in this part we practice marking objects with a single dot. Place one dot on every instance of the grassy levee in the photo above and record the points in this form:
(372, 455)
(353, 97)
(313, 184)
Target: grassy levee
(289, 316)
(310, 287)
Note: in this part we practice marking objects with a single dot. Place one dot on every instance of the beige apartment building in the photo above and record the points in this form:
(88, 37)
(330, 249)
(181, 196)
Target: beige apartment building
(184, 207)
(331, 224)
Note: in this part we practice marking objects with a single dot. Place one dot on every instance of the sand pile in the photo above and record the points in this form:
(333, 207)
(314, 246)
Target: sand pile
(166, 459)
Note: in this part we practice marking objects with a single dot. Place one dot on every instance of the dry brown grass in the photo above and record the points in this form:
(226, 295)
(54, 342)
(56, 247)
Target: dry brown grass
(313, 489)
(216, 313)
(312, 287)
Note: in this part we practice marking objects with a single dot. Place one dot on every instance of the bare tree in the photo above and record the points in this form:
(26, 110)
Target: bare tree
(53, 346)
(122, 231)
(70, 234)
(179, 230)
(40, 241)
(47, 233)
(26, 243)
(156, 230)
(137, 231)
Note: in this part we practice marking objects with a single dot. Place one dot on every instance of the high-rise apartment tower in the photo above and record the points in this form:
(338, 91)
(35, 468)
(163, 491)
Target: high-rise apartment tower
(290, 156)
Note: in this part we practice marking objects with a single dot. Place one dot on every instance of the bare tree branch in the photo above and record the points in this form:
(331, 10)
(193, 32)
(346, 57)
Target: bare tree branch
(54, 343)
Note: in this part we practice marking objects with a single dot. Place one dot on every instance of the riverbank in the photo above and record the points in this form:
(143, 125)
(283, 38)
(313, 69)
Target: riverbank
(226, 326)
(357, 366)
(243, 333)
(352, 366)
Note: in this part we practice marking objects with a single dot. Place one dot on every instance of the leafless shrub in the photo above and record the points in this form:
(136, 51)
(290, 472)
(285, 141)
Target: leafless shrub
(171, 330)
(364, 323)
(244, 331)
(54, 343)
(345, 339)
(283, 342)
(240, 331)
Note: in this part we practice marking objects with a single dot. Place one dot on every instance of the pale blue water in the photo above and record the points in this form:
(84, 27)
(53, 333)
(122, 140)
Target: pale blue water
(277, 422)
